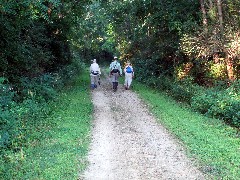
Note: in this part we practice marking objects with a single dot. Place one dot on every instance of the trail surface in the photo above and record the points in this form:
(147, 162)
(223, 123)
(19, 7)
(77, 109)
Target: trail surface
(128, 143)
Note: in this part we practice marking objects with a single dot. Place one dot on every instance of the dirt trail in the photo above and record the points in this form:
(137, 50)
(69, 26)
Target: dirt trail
(128, 144)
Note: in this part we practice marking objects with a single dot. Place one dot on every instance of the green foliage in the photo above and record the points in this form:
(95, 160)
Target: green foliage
(217, 102)
(183, 90)
(94, 35)
(23, 111)
(18, 127)
(36, 41)
(36, 61)
(39, 87)
(153, 74)
(216, 71)
(41, 139)
(169, 33)
(223, 104)
(6, 93)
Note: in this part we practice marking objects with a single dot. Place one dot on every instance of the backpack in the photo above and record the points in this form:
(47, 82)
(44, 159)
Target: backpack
(129, 69)
(115, 69)
(95, 72)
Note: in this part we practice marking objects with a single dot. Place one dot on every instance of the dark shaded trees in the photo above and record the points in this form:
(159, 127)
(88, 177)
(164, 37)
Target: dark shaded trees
(165, 34)
(35, 36)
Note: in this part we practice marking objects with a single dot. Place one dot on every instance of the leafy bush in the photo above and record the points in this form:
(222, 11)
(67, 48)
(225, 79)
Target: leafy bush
(224, 104)
(8, 131)
(183, 90)
(8, 119)
(219, 101)
(217, 71)
(6, 93)
(203, 102)
(48, 127)
(39, 87)
(18, 118)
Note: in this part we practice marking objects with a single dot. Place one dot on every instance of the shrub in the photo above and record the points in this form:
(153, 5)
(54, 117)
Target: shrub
(6, 93)
(17, 118)
(220, 101)
(183, 90)
(222, 104)
(38, 88)
(203, 102)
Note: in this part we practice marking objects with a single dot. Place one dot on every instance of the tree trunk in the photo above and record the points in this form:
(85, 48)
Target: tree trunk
(229, 62)
(230, 54)
(204, 15)
(220, 16)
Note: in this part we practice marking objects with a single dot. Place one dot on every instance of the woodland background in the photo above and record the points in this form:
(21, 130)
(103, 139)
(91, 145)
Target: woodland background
(187, 48)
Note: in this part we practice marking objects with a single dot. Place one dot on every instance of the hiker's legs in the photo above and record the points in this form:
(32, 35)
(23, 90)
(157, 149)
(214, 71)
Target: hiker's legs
(92, 81)
(95, 81)
(99, 80)
(128, 80)
(115, 80)
(115, 85)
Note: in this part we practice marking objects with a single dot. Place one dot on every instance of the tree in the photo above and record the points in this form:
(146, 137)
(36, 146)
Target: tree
(35, 36)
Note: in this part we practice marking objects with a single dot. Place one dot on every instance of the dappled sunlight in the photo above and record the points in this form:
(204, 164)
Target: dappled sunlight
(184, 70)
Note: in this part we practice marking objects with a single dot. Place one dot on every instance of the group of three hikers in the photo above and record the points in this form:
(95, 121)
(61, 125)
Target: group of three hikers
(115, 71)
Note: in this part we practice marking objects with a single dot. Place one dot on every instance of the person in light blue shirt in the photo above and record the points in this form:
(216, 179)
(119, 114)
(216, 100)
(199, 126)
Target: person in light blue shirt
(115, 72)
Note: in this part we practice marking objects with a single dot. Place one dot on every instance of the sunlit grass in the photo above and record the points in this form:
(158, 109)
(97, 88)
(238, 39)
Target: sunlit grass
(60, 148)
(214, 144)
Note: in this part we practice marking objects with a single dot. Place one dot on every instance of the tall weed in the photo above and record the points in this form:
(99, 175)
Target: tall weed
(24, 108)
(223, 104)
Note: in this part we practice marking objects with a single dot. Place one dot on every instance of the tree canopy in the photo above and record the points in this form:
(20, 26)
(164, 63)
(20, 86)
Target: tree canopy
(186, 48)
(183, 41)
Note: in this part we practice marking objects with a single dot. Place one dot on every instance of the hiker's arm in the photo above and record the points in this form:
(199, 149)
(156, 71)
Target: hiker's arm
(120, 69)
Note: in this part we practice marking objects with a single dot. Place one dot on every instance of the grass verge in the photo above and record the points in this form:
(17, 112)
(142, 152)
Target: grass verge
(215, 145)
(60, 143)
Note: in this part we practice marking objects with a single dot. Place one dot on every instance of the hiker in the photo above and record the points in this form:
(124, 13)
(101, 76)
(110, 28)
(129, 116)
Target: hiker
(115, 71)
(129, 75)
(94, 74)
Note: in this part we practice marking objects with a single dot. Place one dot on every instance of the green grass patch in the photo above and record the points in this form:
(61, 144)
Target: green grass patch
(215, 145)
(58, 146)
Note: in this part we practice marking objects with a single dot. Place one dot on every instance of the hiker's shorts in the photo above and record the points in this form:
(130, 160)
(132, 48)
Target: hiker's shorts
(128, 79)
(114, 77)
(94, 79)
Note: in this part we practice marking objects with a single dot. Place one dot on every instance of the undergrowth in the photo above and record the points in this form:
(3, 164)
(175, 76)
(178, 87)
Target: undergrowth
(56, 146)
(214, 144)
(220, 101)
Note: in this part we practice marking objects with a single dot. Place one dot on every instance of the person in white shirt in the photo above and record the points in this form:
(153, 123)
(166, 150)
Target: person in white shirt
(115, 71)
(94, 74)
(129, 74)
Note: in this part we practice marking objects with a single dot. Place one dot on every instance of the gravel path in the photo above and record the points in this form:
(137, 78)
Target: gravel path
(128, 144)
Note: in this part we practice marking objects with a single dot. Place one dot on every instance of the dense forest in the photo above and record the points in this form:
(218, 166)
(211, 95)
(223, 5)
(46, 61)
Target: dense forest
(190, 49)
